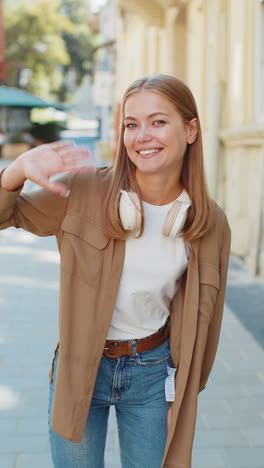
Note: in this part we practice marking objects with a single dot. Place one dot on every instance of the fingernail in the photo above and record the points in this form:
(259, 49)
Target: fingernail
(66, 194)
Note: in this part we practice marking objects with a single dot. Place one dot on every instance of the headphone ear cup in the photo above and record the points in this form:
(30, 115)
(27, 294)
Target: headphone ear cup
(129, 212)
(175, 219)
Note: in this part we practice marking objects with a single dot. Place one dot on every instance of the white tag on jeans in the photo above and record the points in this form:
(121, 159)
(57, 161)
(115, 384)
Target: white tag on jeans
(170, 384)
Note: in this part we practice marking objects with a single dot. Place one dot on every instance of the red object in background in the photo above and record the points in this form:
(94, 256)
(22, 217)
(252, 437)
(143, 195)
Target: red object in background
(3, 71)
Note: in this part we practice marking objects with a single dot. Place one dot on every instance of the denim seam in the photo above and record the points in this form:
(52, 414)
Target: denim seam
(113, 392)
(153, 363)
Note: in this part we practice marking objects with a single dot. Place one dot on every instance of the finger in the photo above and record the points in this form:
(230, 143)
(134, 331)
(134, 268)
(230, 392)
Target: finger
(57, 188)
(57, 145)
(82, 158)
(53, 186)
(74, 151)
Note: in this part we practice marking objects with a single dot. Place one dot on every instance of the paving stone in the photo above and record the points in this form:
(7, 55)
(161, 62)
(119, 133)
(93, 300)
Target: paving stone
(23, 381)
(32, 426)
(36, 397)
(255, 437)
(12, 372)
(247, 404)
(200, 422)
(25, 411)
(42, 460)
(224, 391)
(15, 444)
(7, 461)
(219, 438)
(254, 390)
(110, 465)
(213, 404)
(220, 420)
(112, 457)
(245, 457)
(236, 378)
(8, 427)
(210, 458)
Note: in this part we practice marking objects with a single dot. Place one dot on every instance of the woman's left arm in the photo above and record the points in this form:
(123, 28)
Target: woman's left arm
(215, 323)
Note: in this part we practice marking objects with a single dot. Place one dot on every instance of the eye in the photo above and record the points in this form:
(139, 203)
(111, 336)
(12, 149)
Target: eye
(159, 122)
(130, 125)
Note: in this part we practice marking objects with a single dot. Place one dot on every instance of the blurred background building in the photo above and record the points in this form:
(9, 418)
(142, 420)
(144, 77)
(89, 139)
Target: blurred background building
(215, 46)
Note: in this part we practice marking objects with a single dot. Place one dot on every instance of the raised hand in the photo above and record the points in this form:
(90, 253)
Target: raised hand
(45, 161)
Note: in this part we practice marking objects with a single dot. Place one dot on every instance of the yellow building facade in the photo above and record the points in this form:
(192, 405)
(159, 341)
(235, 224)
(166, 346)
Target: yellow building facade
(217, 48)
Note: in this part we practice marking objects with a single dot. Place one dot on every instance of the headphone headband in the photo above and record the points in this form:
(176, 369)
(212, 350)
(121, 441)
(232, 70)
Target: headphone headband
(131, 217)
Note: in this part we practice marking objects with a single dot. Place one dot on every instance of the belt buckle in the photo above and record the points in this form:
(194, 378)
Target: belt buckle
(114, 345)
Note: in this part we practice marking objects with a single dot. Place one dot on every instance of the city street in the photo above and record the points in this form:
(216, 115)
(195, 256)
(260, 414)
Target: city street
(230, 423)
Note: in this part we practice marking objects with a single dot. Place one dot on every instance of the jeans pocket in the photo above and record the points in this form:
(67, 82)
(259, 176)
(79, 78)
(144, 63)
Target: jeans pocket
(52, 383)
(156, 356)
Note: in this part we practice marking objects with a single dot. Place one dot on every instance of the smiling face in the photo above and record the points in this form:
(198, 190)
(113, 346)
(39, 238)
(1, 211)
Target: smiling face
(155, 135)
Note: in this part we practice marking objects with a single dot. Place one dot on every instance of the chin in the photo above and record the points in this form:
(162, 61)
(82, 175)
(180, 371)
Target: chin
(148, 165)
(144, 169)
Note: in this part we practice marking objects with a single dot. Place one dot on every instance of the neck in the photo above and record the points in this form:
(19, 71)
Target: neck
(158, 190)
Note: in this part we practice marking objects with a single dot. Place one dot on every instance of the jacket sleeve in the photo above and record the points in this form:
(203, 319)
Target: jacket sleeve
(216, 321)
(40, 212)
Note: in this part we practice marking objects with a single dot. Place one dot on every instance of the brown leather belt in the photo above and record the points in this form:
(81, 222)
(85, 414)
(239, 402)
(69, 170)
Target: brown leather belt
(117, 348)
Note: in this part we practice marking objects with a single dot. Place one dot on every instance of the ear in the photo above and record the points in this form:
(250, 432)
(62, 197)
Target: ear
(192, 130)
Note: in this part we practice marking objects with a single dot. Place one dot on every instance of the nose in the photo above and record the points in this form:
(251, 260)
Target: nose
(144, 134)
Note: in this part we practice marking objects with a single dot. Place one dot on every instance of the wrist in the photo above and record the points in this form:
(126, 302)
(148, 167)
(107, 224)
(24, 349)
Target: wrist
(12, 178)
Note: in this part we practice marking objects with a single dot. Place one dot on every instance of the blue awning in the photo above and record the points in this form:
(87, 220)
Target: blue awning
(14, 97)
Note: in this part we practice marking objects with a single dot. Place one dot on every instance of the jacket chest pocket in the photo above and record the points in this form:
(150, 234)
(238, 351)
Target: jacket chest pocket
(209, 286)
(83, 248)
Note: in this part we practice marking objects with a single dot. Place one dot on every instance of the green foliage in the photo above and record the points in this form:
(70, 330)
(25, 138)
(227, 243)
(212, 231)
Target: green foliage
(47, 132)
(17, 138)
(76, 10)
(51, 38)
(80, 42)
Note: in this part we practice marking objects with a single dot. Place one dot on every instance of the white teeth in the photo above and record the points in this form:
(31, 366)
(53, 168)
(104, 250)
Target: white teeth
(149, 151)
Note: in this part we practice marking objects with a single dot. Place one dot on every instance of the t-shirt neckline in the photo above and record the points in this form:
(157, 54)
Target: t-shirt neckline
(168, 205)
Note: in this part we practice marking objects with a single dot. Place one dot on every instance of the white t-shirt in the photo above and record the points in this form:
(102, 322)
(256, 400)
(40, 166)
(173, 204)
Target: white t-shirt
(152, 268)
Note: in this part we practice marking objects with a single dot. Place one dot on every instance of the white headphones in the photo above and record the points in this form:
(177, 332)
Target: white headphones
(131, 217)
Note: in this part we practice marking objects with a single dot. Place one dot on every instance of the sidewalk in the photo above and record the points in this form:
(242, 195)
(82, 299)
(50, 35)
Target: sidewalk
(231, 409)
(230, 423)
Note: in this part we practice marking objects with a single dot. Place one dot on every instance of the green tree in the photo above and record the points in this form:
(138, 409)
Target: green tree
(34, 42)
(49, 38)
(80, 42)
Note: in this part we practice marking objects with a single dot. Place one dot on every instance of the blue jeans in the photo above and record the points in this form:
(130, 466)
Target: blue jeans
(135, 385)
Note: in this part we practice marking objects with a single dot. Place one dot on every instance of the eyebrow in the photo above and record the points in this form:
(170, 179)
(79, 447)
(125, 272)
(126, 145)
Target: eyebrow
(129, 117)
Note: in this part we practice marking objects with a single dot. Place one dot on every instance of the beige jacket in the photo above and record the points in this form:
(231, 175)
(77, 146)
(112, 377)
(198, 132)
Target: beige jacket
(91, 267)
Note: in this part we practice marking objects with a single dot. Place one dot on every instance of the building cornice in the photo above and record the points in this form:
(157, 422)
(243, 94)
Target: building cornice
(150, 10)
(244, 135)
(172, 3)
(153, 12)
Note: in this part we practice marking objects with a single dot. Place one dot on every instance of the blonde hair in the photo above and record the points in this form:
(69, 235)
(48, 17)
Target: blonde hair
(200, 216)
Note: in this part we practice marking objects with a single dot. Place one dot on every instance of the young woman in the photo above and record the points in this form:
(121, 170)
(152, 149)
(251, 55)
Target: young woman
(144, 254)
